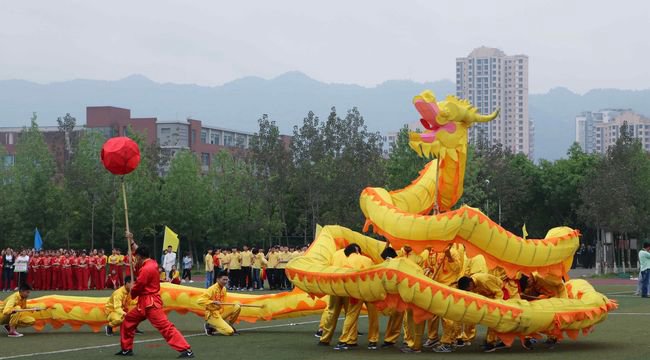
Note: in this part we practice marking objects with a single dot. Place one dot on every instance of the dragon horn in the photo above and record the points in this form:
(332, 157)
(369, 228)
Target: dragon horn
(485, 118)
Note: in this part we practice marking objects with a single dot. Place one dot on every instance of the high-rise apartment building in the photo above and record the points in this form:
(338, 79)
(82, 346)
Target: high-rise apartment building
(492, 80)
(597, 131)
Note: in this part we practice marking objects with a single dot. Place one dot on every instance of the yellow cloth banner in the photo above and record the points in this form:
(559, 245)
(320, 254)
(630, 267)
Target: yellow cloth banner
(171, 238)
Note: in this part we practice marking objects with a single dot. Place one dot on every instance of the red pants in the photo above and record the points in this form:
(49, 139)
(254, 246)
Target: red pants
(116, 271)
(66, 276)
(33, 278)
(120, 276)
(101, 278)
(94, 280)
(159, 320)
(46, 279)
(85, 277)
(76, 273)
(57, 282)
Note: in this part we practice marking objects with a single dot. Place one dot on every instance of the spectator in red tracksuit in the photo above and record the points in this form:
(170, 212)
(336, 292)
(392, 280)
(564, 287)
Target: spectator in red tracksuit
(84, 271)
(57, 271)
(34, 271)
(76, 273)
(46, 272)
(127, 266)
(92, 269)
(66, 273)
(120, 266)
(101, 270)
(147, 290)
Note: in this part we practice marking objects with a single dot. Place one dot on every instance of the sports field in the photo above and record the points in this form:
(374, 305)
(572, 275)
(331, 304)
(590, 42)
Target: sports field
(624, 335)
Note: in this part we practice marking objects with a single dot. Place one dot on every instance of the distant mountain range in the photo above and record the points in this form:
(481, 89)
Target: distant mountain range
(287, 99)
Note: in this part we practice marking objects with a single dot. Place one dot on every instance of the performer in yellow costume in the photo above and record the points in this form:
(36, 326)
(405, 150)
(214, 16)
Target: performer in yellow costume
(14, 314)
(335, 303)
(219, 316)
(349, 335)
(445, 268)
(118, 304)
(472, 265)
(491, 287)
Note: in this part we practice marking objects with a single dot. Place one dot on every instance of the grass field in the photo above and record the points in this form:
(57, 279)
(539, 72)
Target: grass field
(624, 335)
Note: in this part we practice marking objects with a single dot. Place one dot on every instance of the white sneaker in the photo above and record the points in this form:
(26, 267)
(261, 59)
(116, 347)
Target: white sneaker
(431, 343)
(15, 334)
(191, 281)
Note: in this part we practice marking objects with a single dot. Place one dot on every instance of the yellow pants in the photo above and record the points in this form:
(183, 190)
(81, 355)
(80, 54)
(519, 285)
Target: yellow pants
(468, 332)
(323, 317)
(432, 330)
(491, 337)
(334, 307)
(21, 319)
(450, 331)
(115, 319)
(350, 332)
(394, 327)
(416, 331)
(222, 321)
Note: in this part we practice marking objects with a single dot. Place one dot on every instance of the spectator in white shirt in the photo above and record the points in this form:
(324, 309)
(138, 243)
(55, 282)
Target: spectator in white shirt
(20, 268)
(169, 260)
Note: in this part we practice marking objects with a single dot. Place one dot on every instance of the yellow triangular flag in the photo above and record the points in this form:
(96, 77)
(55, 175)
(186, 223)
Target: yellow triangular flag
(523, 229)
(171, 238)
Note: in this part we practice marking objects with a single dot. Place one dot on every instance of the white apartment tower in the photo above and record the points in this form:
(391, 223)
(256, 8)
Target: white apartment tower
(490, 79)
(597, 131)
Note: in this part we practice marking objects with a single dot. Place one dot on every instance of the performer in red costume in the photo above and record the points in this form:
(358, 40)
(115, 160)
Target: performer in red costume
(147, 290)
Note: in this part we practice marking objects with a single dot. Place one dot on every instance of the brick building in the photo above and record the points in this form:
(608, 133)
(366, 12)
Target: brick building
(170, 136)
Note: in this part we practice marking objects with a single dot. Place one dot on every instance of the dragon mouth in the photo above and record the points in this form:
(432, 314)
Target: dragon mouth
(430, 136)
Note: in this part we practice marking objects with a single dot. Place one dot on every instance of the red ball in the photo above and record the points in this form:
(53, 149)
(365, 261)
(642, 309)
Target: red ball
(120, 155)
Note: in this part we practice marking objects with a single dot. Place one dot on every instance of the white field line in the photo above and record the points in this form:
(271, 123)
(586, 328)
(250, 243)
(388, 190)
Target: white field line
(620, 313)
(152, 340)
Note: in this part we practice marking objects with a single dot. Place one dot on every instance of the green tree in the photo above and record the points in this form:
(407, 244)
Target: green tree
(184, 199)
(334, 161)
(404, 164)
(6, 206)
(235, 212)
(89, 194)
(66, 125)
(35, 197)
(509, 182)
(561, 181)
(145, 200)
(273, 168)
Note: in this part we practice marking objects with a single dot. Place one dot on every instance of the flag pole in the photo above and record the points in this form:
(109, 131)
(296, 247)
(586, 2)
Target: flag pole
(126, 218)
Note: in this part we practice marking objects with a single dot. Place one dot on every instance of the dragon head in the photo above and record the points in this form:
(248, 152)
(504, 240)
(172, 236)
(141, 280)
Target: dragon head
(446, 123)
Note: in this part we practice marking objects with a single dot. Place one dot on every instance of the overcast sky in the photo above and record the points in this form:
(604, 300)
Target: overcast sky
(577, 44)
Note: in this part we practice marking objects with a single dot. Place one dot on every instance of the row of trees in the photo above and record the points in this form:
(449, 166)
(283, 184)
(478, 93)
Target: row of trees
(278, 193)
